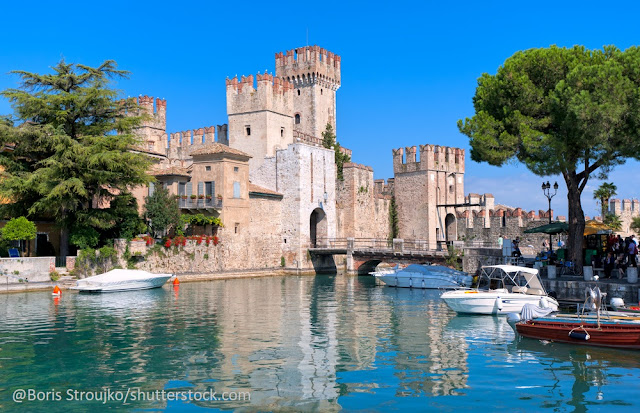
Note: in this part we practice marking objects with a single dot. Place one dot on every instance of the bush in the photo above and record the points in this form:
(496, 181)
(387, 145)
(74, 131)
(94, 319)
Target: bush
(54, 275)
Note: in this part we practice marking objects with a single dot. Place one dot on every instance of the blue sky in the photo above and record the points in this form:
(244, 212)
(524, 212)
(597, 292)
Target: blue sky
(409, 69)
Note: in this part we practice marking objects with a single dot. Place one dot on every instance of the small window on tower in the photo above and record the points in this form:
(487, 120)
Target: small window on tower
(282, 132)
(297, 121)
(298, 92)
(207, 168)
(235, 169)
(450, 189)
(320, 91)
(248, 130)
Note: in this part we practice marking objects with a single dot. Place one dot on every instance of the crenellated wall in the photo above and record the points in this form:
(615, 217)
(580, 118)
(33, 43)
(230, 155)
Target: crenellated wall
(626, 209)
(427, 185)
(260, 118)
(315, 75)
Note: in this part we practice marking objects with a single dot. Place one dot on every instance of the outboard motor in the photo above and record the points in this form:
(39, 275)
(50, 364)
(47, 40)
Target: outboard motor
(512, 319)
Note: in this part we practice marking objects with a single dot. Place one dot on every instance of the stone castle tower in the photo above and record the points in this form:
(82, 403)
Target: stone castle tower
(427, 190)
(315, 75)
(260, 118)
(154, 130)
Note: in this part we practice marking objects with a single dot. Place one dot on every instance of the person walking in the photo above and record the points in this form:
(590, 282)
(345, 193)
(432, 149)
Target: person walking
(500, 241)
(633, 252)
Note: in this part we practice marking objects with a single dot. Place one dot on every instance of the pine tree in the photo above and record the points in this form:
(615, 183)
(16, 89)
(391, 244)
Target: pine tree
(71, 142)
(162, 212)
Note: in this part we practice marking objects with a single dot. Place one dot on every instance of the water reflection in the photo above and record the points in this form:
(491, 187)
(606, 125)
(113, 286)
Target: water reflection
(298, 343)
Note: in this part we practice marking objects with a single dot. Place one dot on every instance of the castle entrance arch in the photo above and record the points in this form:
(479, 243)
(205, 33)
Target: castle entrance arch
(450, 227)
(318, 227)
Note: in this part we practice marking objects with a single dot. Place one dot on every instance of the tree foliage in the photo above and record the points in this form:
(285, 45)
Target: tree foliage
(613, 221)
(19, 229)
(71, 142)
(329, 141)
(393, 219)
(635, 224)
(161, 211)
(603, 194)
(560, 111)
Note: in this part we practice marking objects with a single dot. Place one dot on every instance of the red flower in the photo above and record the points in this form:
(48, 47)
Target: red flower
(167, 244)
(216, 240)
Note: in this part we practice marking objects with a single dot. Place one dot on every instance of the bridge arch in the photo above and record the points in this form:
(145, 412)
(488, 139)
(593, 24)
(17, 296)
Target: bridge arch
(318, 227)
(368, 266)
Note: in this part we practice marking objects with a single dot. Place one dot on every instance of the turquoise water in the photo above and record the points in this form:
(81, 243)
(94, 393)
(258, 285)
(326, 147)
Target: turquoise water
(295, 344)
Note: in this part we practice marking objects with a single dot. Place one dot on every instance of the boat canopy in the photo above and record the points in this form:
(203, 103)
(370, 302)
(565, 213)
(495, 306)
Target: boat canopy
(510, 275)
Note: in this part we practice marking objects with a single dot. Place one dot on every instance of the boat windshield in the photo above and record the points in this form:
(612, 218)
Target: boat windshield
(507, 277)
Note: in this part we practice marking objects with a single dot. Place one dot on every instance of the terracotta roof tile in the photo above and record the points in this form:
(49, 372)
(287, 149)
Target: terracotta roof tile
(256, 188)
(214, 148)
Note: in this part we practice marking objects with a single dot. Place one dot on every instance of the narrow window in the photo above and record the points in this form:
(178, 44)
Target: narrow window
(207, 168)
(182, 188)
(282, 132)
(297, 119)
(236, 228)
(320, 92)
(236, 189)
(248, 130)
(152, 187)
(450, 189)
(235, 169)
(298, 92)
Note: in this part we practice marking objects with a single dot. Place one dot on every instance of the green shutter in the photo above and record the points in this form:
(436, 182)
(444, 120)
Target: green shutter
(189, 189)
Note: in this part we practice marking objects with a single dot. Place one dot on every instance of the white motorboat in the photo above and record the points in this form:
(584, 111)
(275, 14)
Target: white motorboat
(424, 276)
(121, 280)
(501, 289)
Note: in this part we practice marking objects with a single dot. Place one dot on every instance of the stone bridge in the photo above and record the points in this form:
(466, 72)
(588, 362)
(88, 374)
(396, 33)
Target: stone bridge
(364, 254)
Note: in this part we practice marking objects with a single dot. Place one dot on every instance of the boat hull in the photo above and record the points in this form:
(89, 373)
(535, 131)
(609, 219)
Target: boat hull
(493, 302)
(617, 335)
(146, 283)
(419, 281)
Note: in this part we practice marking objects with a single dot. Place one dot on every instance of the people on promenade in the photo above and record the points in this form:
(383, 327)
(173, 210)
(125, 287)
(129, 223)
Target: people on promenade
(516, 247)
(633, 252)
(609, 264)
(500, 241)
(545, 246)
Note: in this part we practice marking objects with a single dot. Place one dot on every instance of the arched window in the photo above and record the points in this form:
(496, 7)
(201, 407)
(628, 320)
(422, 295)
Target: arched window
(297, 119)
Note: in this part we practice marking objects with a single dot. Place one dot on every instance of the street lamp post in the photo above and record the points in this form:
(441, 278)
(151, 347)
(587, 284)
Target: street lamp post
(546, 189)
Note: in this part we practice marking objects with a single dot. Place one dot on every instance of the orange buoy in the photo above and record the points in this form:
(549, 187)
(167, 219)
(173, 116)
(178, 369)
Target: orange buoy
(57, 291)
(175, 281)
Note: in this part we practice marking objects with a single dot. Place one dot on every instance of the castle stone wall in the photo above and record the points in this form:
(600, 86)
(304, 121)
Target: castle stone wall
(362, 212)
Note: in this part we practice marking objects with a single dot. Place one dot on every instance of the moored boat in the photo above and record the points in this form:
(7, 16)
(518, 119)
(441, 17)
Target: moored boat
(121, 280)
(590, 332)
(501, 289)
(424, 276)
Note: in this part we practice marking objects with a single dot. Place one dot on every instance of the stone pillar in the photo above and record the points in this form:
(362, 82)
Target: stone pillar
(551, 272)
(632, 275)
(350, 245)
(398, 245)
(588, 272)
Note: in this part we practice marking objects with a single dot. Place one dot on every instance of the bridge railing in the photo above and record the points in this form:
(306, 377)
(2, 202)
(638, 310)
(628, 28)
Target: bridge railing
(378, 244)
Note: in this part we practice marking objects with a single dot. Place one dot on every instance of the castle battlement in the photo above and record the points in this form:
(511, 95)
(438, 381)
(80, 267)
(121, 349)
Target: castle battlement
(309, 65)
(271, 93)
(382, 189)
(432, 158)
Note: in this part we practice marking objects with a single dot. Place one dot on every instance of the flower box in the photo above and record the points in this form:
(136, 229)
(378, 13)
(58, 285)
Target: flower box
(200, 196)
(194, 196)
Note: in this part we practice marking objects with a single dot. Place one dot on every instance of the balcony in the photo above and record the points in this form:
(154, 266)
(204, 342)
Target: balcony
(203, 203)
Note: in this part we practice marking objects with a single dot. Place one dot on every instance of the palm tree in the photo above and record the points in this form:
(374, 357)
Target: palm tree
(603, 194)
(613, 221)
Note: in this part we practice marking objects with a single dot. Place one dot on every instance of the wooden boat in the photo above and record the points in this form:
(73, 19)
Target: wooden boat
(599, 329)
(615, 333)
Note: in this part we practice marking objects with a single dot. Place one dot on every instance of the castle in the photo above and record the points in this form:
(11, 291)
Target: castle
(267, 176)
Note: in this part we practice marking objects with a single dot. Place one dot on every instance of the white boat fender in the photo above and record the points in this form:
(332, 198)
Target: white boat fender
(544, 303)
(499, 304)
(617, 302)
